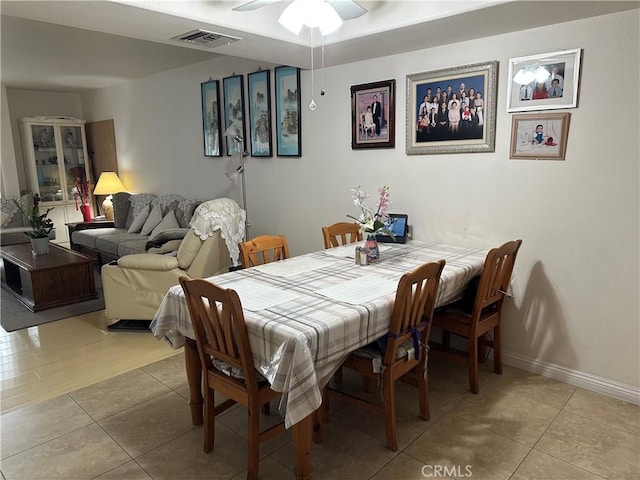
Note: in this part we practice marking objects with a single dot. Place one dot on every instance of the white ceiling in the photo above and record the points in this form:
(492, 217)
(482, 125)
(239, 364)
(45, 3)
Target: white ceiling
(73, 46)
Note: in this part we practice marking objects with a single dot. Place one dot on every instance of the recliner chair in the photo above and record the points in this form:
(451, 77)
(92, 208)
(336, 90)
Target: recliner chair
(135, 285)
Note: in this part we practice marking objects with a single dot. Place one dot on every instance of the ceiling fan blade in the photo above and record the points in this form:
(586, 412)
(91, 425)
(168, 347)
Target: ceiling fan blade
(253, 5)
(347, 9)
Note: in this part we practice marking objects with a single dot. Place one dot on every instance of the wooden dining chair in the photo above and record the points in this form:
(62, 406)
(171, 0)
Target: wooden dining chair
(484, 316)
(264, 249)
(341, 233)
(406, 348)
(227, 363)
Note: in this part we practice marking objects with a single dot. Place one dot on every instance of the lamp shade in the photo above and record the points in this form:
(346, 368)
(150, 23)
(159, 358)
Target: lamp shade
(108, 184)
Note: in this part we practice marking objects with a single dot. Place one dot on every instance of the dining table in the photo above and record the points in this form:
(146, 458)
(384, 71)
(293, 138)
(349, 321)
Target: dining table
(305, 314)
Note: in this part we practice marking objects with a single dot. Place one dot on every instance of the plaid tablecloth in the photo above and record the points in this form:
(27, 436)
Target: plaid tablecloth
(305, 314)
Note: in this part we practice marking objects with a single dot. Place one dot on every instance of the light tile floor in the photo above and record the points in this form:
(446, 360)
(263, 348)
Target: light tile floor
(520, 427)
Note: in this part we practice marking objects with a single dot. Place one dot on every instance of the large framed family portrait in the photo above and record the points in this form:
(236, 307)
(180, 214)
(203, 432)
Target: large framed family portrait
(211, 118)
(452, 110)
(373, 115)
(544, 82)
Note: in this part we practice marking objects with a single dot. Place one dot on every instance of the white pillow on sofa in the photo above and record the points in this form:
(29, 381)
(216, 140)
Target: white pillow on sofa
(169, 222)
(155, 217)
(140, 220)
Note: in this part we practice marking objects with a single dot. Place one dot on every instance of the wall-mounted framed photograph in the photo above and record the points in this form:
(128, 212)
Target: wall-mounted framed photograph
(259, 84)
(452, 110)
(539, 136)
(234, 110)
(373, 115)
(211, 118)
(544, 82)
(288, 121)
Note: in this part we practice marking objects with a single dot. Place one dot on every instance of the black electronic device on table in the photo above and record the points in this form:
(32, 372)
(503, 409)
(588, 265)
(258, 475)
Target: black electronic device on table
(398, 223)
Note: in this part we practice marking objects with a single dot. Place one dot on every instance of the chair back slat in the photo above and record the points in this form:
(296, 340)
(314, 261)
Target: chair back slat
(413, 306)
(219, 326)
(496, 276)
(341, 233)
(264, 249)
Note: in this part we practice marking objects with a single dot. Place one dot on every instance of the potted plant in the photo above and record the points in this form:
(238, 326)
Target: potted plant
(41, 225)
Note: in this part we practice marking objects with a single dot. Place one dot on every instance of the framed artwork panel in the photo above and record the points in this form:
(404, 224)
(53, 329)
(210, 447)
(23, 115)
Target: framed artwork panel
(541, 136)
(373, 115)
(259, 84)
(544, 82)
(288, 121)
(211, 118)
(452, 110)
(234, 111)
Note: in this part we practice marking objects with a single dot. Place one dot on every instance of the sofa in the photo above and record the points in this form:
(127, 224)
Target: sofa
(135, 285)
(13, 224)
(142, 222)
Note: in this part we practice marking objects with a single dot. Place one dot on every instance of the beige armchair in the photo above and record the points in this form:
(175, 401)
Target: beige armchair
(135, 285)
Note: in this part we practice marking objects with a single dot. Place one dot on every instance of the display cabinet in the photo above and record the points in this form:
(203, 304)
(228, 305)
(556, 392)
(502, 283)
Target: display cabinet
(55, 155)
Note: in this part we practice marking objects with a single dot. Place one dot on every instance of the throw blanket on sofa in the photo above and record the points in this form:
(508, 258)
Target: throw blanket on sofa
(225, 215)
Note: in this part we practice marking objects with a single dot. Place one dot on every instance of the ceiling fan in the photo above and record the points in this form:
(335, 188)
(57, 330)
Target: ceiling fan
(346, 9)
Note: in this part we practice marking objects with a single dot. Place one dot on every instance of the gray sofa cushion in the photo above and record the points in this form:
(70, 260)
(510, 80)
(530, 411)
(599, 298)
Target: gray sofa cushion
(110, 243)
(129, 247)
(87, 238)
(121, 207)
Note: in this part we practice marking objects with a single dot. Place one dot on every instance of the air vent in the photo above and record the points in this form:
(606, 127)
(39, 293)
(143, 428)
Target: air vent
(206, 39)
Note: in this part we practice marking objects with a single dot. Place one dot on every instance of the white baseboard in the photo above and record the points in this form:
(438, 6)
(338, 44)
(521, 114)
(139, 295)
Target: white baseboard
(584, 380)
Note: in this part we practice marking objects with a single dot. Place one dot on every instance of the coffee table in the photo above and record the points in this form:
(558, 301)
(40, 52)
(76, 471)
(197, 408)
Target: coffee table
(57, 278)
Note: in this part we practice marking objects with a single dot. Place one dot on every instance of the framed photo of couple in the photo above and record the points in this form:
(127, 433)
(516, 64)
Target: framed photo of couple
(452, 110)
(373, 115)
(544, 82)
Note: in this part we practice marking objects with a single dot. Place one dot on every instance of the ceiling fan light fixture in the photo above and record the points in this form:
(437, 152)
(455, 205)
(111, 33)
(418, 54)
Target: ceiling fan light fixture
(327, 18)
(293, 17)
(313, 14)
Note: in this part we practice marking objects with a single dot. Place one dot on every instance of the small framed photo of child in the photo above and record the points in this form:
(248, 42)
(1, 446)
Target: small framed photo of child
(540, 136)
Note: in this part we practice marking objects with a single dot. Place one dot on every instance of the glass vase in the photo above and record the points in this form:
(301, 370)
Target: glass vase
(371, 246)
(86, 212)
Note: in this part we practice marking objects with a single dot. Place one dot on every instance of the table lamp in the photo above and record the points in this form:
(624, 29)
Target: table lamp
(108, 184)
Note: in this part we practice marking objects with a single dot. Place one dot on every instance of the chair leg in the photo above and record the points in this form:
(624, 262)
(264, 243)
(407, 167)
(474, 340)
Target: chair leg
(389, 396)
(423, 393)
(482, 348)
(253, 444)
(473, 365)
(266, 408)
(497, 351)
(209, 430)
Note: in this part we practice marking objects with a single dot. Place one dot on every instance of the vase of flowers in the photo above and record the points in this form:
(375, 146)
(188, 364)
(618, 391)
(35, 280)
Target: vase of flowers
(41, 226)
(81, 195)
(372, 221)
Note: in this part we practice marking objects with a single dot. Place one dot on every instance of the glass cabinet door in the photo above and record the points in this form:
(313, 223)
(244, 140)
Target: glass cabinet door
(46, 158)
(72, 147)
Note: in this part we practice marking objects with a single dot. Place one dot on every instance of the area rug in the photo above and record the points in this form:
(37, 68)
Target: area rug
(15, 316)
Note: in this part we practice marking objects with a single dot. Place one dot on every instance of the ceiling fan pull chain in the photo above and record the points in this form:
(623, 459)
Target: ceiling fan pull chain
(322, 70)
(312, 105)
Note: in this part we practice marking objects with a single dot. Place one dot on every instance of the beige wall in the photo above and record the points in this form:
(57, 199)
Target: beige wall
(576, 309)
